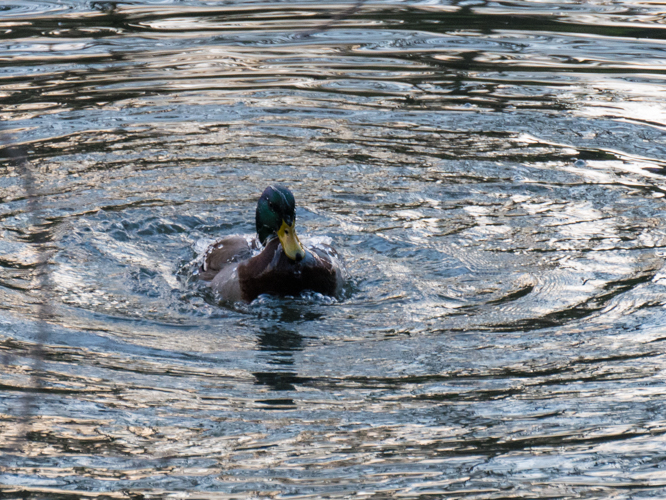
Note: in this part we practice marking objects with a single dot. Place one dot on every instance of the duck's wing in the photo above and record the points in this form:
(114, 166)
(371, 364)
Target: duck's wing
(223, 252)
(322, 271)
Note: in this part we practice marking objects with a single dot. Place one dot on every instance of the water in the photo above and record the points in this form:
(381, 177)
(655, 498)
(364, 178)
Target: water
(492, 174)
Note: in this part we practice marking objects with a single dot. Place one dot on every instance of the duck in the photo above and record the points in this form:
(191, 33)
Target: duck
(283, 266)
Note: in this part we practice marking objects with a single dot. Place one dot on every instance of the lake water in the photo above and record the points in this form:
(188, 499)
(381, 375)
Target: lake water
(492, 174)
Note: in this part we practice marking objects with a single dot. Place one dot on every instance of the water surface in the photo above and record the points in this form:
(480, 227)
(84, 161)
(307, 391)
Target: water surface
(492, 174)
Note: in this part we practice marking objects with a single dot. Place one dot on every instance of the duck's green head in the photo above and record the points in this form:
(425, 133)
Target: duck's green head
(276, 216)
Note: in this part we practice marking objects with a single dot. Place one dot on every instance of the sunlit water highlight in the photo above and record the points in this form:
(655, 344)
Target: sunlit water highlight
(491, 174)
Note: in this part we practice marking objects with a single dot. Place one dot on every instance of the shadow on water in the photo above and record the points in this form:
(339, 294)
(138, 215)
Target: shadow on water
(280, 344)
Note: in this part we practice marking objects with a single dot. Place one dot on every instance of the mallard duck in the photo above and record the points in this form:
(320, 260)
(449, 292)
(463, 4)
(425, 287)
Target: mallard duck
(283, 267)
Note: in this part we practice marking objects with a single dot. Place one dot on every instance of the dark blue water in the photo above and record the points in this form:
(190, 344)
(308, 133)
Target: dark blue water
(492, 174)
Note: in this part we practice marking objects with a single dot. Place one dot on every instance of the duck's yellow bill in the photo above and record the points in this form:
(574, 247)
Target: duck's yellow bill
(290, 243)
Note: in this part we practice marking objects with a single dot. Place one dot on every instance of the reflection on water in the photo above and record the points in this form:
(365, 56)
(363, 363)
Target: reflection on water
(491, 173)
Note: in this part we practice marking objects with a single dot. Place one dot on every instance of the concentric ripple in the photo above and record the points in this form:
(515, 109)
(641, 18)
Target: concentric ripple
(492, 175)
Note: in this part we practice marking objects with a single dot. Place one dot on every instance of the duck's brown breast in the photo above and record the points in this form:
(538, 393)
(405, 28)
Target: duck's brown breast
(273, 272)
